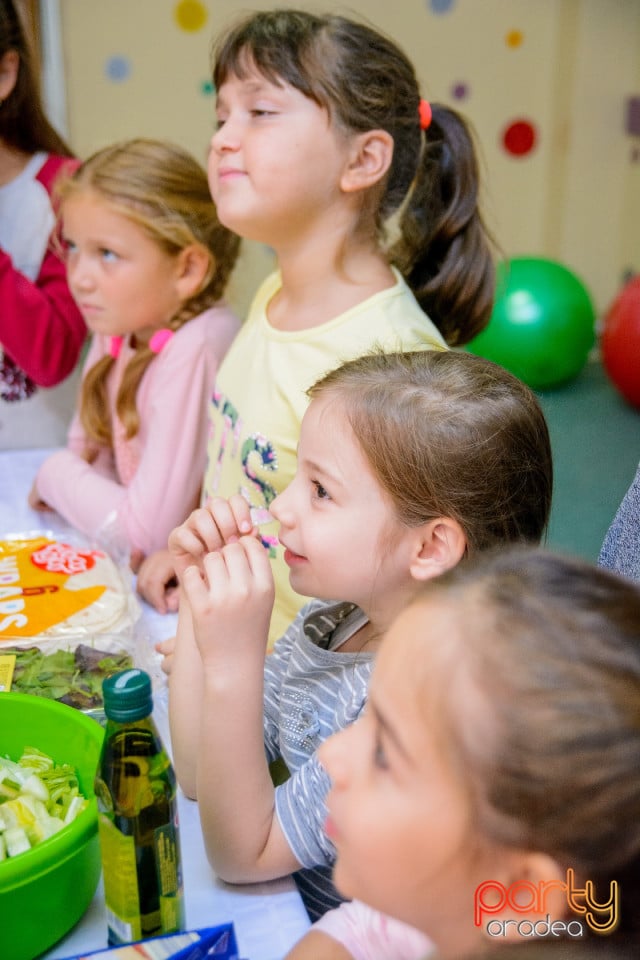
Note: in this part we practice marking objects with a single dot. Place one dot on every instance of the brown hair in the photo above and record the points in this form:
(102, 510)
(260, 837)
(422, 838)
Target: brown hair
(366, 82)
(550, 643)
(451, 434)
(23, 123)
(164, 191)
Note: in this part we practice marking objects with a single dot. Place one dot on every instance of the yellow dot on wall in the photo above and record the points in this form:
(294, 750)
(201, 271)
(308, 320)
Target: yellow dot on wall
(190, 15)
(514, 38)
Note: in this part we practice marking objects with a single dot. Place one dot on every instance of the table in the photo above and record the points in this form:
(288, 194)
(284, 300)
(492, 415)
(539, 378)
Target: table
(268, 917)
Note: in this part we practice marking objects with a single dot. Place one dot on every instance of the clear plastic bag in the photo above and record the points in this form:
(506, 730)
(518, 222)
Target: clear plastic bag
(69, 616)
(52, 588)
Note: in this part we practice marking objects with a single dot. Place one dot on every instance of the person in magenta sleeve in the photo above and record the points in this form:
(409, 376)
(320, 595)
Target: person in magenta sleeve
(42, 332)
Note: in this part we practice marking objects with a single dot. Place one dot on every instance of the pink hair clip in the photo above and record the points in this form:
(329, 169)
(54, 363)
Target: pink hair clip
(115, 346)
(160, 339)
(425, 113)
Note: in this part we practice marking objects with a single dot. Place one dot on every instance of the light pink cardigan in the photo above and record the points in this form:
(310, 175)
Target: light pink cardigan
(149, 484)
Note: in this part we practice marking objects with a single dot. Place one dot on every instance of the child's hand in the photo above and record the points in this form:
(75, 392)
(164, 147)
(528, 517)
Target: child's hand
(166, 649)
(157, 583)
(35, 502)
(208, 529)
(231, 598)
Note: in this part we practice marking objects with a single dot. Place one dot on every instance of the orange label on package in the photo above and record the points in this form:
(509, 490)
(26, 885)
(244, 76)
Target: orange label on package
(41, 585)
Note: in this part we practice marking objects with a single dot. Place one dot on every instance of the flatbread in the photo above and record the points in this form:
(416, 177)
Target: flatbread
(52, 589)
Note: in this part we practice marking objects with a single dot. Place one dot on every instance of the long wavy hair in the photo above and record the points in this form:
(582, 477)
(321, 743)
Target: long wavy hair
(164, 191)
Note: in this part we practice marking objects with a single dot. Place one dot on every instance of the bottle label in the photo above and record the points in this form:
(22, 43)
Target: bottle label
(120, 882)
(169, 878)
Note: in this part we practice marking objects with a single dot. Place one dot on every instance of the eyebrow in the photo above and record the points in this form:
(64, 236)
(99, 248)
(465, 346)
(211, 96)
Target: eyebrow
(254, 86)
(321, 471)
(389, 731)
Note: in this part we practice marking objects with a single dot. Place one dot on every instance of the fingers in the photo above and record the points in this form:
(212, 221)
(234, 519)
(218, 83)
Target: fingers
(209, 528)
(230, 599)
(241, 570)
(197, 536)
(34, 501)
(244, 561)
(166, 649)
(172, 597)
(157, 582)
(232, 516)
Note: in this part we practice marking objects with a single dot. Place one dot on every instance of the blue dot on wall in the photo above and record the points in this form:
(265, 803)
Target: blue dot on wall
(118, 69)
(207, 88)
(460, 91)
(441, 6)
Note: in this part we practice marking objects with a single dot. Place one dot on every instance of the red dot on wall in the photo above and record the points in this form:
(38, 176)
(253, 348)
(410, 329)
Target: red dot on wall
(519, 138)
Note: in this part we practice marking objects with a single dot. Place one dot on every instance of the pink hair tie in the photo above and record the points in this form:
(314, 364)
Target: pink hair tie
(425, 113)
(160, 339)
(115, 346)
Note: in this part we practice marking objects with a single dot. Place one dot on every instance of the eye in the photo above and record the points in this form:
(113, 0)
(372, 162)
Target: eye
(258, 112)
(108, 255)
(319, 492)
(68, 246)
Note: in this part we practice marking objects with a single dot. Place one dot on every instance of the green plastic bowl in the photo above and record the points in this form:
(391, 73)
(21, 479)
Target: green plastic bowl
(45, 891)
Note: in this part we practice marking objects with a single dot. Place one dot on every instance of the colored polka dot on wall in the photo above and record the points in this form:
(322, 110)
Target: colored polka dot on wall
(441, 6)
(519, 138)
(207, 88)
(460, 91)
(190, 15)
(514, 38)
(118, 69)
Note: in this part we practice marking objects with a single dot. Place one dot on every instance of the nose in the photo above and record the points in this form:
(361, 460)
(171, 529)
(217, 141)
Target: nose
(226, 137)
(281, 508)
(79, 273)
(333, 754)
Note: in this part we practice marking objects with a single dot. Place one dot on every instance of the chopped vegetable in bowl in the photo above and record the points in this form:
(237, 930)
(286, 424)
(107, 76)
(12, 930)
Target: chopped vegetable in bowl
(37, 798)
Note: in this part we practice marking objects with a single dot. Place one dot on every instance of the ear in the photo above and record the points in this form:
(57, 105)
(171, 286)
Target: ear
(440, 544)
(369, 160)
(192, 265)
(527, 887)
(9, 66)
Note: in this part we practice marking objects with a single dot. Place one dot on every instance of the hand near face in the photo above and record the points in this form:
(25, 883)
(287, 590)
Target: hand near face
(207, 530)
(231, 596)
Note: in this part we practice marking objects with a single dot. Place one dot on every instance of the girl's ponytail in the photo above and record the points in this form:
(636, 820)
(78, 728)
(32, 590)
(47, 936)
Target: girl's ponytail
(445, 251)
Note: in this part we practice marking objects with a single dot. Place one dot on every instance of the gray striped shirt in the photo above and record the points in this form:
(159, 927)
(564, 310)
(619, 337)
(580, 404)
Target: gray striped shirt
(311, 691)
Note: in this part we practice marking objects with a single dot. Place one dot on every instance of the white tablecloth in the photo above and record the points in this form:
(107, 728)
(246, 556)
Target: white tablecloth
(268, 917)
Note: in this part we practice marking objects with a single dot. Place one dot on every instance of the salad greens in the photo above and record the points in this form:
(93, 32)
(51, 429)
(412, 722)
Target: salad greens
(37, 798)
(70, 676)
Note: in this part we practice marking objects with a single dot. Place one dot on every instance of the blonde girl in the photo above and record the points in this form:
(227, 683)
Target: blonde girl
(490, 795)
(406, 463)
(147, 263)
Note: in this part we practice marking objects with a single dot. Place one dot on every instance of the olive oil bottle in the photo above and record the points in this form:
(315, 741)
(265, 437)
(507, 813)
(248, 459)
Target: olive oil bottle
(135, 788)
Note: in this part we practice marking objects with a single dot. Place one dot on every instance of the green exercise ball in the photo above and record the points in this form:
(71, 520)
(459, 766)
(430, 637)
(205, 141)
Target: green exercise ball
(543, 322)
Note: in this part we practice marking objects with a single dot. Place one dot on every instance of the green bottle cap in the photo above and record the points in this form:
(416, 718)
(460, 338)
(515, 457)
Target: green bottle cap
(127, 696)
